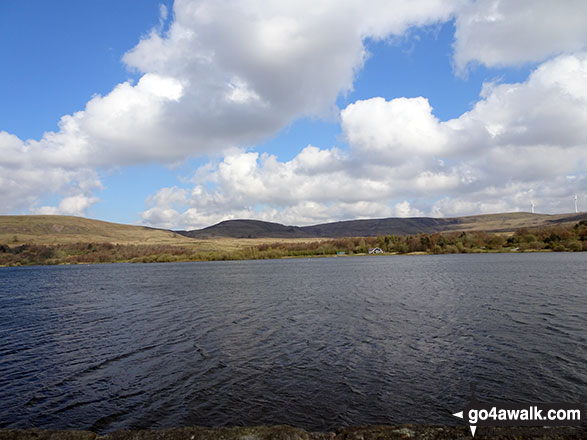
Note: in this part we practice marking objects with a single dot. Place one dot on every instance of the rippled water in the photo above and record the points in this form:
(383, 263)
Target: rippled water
(317, 343)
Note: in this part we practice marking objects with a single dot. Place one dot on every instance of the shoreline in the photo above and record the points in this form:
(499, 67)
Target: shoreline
(287, 257)
(283, 432)
(30, 252)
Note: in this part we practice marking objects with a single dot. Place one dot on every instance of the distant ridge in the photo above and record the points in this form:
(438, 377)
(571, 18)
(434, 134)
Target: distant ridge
(51, 229)
(506, 222)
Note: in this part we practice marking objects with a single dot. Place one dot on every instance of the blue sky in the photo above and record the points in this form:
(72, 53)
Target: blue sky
(253, 111)
(56, 56)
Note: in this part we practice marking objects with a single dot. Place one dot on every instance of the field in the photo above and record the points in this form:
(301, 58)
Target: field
(38, 240)
(58, 229)
(47, 239)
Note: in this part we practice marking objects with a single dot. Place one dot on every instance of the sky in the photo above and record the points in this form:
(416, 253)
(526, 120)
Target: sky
(181, 114)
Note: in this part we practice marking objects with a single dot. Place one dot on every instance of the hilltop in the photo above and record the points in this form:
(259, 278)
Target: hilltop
(34, 240)
(53, 229)
(507, 222)
(50, 229)
(56, 239)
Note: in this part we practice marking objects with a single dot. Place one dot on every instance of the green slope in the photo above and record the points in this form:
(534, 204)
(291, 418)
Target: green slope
(48, 229)
(51, 229)
(506, 222)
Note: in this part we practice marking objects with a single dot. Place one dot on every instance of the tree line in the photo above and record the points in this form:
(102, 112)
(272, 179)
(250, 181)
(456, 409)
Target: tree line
(553, 238)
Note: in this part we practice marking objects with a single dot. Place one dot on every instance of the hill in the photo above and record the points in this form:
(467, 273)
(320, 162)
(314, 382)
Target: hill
(248, 229)
(507, 222)
(56, 239)
(50, 229)
(41, 240)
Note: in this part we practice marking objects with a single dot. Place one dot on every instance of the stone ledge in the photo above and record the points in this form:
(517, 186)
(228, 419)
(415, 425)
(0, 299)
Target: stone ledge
(375, 432)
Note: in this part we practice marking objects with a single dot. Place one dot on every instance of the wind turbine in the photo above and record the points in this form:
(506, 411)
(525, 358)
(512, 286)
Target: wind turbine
(532, 205)
(576, 208)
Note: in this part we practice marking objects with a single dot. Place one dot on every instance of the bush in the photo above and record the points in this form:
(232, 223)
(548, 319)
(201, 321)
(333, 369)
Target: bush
(558, 238)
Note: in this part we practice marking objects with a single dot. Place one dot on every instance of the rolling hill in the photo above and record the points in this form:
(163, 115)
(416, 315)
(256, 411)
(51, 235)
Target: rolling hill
(53, 229)
(507, 222)
(50, 229)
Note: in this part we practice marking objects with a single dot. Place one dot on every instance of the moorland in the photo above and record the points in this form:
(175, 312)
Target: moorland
(48, 239)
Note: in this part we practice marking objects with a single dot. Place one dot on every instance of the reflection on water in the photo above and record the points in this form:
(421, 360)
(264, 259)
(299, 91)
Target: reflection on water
(316, 343)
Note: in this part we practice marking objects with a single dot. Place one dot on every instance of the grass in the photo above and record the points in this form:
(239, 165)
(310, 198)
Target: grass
(509, 222)
(33, 240)
(50, 229)
(65, 239)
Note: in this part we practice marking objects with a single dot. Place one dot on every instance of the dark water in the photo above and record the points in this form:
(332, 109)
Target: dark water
(316, 343)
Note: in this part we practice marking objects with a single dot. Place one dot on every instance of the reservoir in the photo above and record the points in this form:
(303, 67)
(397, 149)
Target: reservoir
(316, 343)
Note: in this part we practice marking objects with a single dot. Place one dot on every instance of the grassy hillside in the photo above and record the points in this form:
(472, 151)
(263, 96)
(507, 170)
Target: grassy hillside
(512, 221)
(55, 239)
(40, 240)
(507, 222)
(50, 229)
(248, 229)
(54, 229)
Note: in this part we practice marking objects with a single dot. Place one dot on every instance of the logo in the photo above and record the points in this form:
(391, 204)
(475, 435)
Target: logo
(512, 414)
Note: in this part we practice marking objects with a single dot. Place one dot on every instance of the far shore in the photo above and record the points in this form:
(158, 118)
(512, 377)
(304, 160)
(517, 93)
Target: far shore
(167, 259)
(561, 238)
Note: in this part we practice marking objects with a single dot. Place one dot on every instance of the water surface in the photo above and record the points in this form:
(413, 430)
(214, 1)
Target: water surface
(316, 343)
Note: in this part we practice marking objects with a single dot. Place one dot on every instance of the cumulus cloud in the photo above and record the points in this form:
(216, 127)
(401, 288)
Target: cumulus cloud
(73, 205)
(517, 143)
(224, 74)
(249, 68)
(548, 109)
(392, 131)
(227, 74)
(503, 33)
(24, 175)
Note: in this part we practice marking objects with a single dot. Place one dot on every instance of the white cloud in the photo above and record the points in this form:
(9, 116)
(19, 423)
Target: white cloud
(252, 67)
(502, 33)
(225, 74)
(73, 205)
(23, 176)
(548, 109)
(228, 74)
(404, 209)
(393, 131)
(517, 143)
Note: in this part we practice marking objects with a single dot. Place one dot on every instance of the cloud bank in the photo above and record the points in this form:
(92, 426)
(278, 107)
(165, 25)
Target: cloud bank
(518, 140)
(504, 33)
(227, 74)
